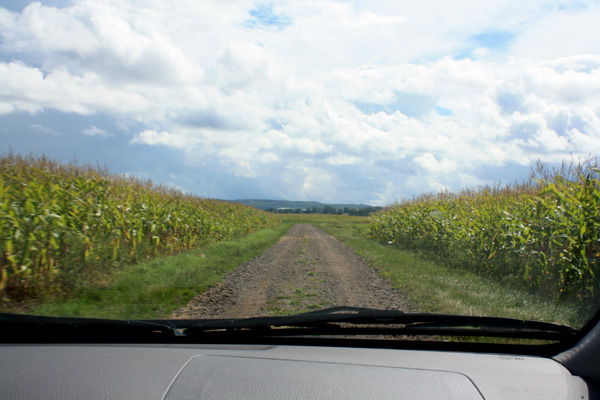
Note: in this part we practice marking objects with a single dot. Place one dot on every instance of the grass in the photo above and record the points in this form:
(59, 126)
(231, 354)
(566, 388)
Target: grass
(432, 287)
(155, 288)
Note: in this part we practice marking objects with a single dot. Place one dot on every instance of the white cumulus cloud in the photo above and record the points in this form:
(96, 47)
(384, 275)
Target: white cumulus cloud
(333, 96)
(95, 131)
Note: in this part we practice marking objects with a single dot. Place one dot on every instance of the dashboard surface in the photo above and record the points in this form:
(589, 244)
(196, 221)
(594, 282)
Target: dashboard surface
(176, 372)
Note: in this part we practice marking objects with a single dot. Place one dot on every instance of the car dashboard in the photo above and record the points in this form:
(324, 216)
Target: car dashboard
(215, 371)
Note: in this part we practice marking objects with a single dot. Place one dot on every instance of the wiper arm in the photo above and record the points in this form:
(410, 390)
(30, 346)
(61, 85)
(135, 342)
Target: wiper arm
(24, 328)
(366, 321)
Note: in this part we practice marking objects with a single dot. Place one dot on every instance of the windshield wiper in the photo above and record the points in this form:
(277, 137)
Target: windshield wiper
(26, 328)
(337, 321)
(366, 321)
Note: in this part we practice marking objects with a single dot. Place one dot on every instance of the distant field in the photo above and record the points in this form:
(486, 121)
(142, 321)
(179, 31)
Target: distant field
(264, 204)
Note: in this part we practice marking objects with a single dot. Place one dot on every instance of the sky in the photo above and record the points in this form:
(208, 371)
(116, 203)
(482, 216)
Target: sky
(334, 101)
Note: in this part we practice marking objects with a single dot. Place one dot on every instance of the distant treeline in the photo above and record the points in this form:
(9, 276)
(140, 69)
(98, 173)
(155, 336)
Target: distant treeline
(302, 206)
(326, 210)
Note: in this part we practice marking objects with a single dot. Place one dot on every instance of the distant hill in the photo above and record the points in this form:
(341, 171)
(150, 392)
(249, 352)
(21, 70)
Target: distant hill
(268, 204)
(308, 206)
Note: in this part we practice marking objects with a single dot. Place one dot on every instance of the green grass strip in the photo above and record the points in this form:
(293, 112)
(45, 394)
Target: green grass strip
(153, 289)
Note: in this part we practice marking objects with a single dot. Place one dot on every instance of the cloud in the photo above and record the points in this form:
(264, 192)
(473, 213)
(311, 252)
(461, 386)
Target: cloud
(428, 162)
(409, 104)
(203, 119)
(152, 137)
(95, 36)
(95, 131)
(318, 99)
(29, 89)
(563, 32)
(497, 119)
(44, 129)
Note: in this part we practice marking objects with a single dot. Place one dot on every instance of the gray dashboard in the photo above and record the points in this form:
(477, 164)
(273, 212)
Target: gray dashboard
(175, 372)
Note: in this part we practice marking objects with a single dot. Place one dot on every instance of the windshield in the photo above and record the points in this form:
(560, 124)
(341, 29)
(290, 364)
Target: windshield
(193, 160)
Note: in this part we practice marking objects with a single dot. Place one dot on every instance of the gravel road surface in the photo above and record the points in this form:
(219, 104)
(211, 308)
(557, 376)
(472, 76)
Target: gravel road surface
(307, 270)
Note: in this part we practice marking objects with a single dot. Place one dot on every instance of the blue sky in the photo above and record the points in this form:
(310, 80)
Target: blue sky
(334, 101)
(264, 16)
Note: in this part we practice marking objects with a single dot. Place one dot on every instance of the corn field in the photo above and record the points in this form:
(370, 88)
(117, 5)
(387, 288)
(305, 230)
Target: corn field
(543, 234)
(60, 223)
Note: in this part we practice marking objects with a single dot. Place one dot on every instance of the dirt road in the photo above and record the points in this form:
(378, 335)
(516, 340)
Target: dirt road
(307, 270)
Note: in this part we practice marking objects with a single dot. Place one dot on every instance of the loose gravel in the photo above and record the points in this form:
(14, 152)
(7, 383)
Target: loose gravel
(307, 270)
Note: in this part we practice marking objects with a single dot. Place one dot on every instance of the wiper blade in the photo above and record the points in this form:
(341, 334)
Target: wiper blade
(23, 328)
(366, 321)
(337, 321)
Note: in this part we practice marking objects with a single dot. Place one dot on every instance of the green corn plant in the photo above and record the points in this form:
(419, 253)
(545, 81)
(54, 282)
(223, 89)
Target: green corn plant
(544, 233)
(61, 224)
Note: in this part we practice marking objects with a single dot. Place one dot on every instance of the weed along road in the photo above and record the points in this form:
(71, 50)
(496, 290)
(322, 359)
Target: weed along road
(306, 270)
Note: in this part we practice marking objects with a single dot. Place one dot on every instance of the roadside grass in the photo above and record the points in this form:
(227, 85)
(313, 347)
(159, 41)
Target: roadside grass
(429, 286)
(153, 289)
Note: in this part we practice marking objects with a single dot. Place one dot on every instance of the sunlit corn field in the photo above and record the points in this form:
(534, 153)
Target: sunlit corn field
(60, 223)
(543, 234)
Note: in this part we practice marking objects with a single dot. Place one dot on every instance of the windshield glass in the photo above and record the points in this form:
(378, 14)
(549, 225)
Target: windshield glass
(189, 160)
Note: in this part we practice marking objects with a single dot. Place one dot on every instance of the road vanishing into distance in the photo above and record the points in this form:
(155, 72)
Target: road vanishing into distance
(306, 270)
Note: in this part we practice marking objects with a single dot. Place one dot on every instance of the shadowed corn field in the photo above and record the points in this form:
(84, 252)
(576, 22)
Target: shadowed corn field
(61, 223)
(542, 234)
